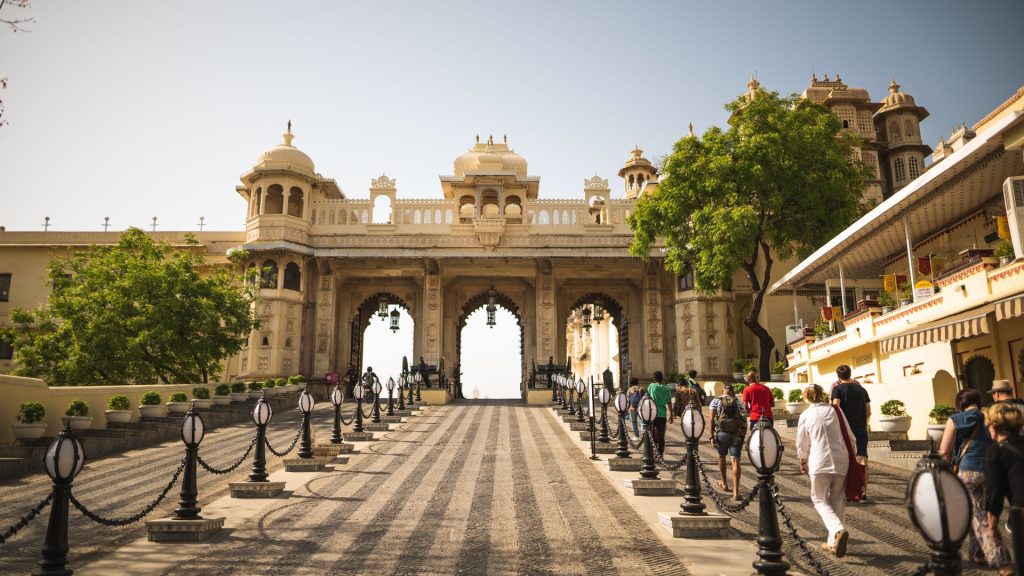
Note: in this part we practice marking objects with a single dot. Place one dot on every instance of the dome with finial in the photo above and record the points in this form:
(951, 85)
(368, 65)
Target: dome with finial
(896, 98)
(490, 157)
(637, 160)
(285, 156)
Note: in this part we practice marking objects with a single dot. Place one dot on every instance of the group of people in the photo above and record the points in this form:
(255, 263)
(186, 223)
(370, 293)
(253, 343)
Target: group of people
(985, 445)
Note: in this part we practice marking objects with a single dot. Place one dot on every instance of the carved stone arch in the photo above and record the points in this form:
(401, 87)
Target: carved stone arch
(619, 319)
(979, 372)
(364, 314)
(473, 304)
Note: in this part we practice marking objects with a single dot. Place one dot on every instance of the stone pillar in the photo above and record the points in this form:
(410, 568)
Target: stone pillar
(653, 348)
(430, 315)
(546, 324)
(263, 200)
(324, 336)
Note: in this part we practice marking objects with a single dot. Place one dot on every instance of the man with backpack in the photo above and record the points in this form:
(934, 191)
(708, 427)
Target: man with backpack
(635, 393)
(691, 383)
(728, 427)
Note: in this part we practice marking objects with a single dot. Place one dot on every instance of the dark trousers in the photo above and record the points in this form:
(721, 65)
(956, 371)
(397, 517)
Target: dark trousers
(658, 432)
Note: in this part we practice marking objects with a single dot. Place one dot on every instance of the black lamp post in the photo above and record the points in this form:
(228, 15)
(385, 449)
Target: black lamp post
(604, 396)
(586, 318)
(492, 298)
(765, 452)
(63, 461)
(403, 381)
(192, 431)
(358, 392)
(648, 411)
(621, 406)
(581, 387)
(391, 392)
(337, 397)
(693, 424)
(409, 381)
(396, 316)
(566, 392)
(261, 415)
(419, 380)
(591, 398)
(375, 410)
(306, 406)
(553, 383)
(940, 508)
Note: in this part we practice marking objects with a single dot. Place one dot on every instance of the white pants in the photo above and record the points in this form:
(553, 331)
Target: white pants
(828, 494)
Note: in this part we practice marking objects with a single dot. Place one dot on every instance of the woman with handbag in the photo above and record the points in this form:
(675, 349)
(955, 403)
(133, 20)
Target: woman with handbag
(822, 440)
(964, 442)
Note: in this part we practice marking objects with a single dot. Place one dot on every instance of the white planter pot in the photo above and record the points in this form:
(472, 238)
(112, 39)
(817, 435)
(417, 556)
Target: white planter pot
(31, 431)
(780, 404)
(151, 411)
(177, 407)
(892, 424)
(795, 408)
(268, 392)
(239, 396)
(202, 403)
(935, 432)
(778, 377)
(738, 376)
(222, 400)
(254, 394)
(120, 416)
(77, 422)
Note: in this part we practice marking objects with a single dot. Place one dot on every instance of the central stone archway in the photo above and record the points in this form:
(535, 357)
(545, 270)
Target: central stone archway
(473, 304)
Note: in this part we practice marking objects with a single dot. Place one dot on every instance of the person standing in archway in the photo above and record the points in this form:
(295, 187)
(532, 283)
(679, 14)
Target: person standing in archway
(661, 395)
(855, 403)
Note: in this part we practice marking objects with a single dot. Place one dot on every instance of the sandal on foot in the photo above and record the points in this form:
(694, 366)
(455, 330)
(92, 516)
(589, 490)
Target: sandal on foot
(722, 486)
(840, 546)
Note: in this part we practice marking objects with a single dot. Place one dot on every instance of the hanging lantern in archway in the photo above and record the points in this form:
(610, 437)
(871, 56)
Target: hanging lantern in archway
(382, 306)
(586, 318)
(395, 316)
(599, 311)
(492, 298)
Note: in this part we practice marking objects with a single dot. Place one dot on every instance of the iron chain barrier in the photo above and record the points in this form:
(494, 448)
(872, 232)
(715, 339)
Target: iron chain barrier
(290, 448)
(350, 420)
(722, 505)
(629, 438)
(818, 568)
(659, 458)
(134, 517)
(230, 468)
(10, 532)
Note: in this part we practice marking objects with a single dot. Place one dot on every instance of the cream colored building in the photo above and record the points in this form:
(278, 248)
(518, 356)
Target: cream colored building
(971, 329)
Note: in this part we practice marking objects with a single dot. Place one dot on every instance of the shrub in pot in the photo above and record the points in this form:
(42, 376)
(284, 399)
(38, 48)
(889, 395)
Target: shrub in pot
(77, 415)
(177, 403)
(201, 397)
(795, 402)
(779, 371)
(222, 395)
(255, 389)
(894, 417)
(238, 393)
(269, 387)
(780, 397)
(150, 405)
(119, 409)
(30, 421)
(937, 418)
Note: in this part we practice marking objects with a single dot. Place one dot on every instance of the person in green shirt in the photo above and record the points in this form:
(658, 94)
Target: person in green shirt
(661, 395)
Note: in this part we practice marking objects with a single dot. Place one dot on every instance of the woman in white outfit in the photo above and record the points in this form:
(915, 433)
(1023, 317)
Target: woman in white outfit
(823, 456)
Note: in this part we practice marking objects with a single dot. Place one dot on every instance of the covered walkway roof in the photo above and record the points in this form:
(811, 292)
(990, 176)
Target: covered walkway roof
(958, 186)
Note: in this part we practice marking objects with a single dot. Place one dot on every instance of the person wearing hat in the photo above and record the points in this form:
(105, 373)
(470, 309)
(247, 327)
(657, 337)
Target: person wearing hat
(1002, 392)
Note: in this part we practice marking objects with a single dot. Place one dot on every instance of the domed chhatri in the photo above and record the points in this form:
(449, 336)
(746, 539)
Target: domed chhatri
(285, 156)
(490, 157)
(896, 99)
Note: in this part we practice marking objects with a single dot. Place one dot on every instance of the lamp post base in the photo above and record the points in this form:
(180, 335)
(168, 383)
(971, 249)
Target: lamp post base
(255, 489)
(357, 436)
(173, 530)
(703, 526)
(305, 464)
(643, 487)
(624, 464)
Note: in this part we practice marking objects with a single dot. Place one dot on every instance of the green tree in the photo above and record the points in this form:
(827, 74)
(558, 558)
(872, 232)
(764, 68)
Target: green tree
(139, 311)
(779, 181)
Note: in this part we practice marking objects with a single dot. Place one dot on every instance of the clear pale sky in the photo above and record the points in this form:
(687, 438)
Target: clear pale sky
(134, 109)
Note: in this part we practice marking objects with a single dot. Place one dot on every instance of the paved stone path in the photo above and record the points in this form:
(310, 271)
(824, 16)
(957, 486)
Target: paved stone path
(476, 488)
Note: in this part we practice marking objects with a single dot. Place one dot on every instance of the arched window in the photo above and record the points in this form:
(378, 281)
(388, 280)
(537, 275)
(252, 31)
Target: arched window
(554, 217)
(448, 216)
(268, 275)
(908, 126)
(565, 216)
(257, 198)
(846, 123)
(295, 198)
(312, 216)
(265, 341)
(417, 217)
(915, 170)
(287, 342)
(901, 173)
(343, 217)
(437, 215)
(382, 210)
(543, 219)
(292, 277)
(251, 274)
(365, 216)
(275, 200)
(427, 217)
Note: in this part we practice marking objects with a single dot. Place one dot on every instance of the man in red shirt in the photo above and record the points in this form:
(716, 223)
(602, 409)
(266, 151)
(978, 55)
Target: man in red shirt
(758, 400)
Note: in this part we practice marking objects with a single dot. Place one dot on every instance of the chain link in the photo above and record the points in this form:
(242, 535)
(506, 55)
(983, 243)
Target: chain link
(350, 420)
(659, 458)
(10, 532)
(290, 448)
(722, 505)
(135, 517)
(774, 489)
(231, 468)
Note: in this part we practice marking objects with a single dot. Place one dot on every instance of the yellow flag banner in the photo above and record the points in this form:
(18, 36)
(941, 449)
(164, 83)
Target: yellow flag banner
(1002, 227)
(837, 312)
(889, 283)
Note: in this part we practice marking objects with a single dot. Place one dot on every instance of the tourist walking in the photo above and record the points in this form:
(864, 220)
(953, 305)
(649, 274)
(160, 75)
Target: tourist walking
(728, 427)
(855, 403)
(965, 442)
(1004, 474)
(758, 400)
(691, 382)
(825, 459)
(634, 393)
(661, 395)
(1002, 392)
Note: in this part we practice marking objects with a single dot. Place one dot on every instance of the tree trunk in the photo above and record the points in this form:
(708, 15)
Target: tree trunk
(758, 286)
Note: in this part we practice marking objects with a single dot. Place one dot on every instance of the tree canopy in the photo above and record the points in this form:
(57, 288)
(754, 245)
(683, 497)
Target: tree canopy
(779, 181)
(140, 311)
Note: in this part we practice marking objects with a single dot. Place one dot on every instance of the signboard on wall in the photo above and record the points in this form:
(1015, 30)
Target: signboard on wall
(923, 289)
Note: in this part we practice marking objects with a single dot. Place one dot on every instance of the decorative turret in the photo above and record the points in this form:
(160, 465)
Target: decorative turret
(898, 121)
(637, 173)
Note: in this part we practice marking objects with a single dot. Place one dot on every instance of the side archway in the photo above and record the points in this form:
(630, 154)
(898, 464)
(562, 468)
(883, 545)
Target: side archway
(618, 319)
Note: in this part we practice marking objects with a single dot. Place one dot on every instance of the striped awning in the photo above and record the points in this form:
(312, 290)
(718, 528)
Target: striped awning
(959, 326)
(1010, 307)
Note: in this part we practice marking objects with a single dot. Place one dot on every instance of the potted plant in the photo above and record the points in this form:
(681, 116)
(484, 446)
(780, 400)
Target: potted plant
(270, 388)
(177, 403)
(738, 366)
(886, 301)
(822, 330)
(150, 405)
(906, 295)
(795, 402)
(255, 389)
(737, 389)
(30, 418)
(937, 418)
(894, 417)
(238, 393)
(780, 397)
(119, 409)
(281, 384)
(1005, 253)
(201, 397)
(222, 395)
(779, 371)
(298, 382)
(77, 415)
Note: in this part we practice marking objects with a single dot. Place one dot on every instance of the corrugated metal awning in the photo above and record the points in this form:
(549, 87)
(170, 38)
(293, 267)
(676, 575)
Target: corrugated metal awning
(956, 327)
(1010, 307)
